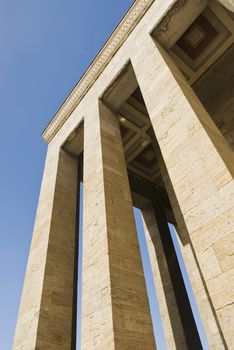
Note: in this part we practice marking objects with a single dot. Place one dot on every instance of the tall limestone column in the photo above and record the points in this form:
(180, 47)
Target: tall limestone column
(200, 165)
(173, 329)
(46, 310)
(115, 309)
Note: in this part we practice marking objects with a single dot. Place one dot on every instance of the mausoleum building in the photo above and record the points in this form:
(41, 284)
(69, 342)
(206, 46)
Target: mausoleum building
(151, 125)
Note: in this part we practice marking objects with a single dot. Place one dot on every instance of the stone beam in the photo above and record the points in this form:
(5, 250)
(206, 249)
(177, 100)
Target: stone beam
(148, 190)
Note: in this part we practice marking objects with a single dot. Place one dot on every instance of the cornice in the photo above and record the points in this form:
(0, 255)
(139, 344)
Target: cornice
(120, 34)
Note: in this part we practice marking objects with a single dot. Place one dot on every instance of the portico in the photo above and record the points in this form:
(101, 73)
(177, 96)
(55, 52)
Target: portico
(150, 124)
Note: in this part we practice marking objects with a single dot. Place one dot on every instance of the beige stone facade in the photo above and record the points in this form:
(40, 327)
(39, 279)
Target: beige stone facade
(150, 124)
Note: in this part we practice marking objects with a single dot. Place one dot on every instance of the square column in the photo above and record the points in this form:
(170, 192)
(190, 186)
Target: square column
(200, 165)
(46, 311)
(170, 315)
(115, 309)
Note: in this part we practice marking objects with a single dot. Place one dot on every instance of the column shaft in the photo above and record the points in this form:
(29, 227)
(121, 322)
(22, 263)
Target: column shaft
(115, 310)
(200, 165)
(45, 316)
(169, 312)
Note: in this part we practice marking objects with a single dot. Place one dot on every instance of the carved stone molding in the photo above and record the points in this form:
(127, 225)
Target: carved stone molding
(163, 24)
(104, 56)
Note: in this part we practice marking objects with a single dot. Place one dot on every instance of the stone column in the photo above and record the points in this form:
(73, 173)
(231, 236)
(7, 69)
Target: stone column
(115, 309)
(169, 312)
(45, 316)
(200, 165)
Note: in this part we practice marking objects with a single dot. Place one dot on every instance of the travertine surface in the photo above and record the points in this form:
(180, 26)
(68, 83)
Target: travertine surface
(45, 316)
(202, 298)
(115, 310)
(200, 164)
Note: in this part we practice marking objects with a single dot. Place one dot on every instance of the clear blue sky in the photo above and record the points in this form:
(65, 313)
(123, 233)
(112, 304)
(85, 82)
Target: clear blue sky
(45, 48)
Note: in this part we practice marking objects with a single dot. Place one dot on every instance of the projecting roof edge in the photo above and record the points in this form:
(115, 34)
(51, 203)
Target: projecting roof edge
(116, 39)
